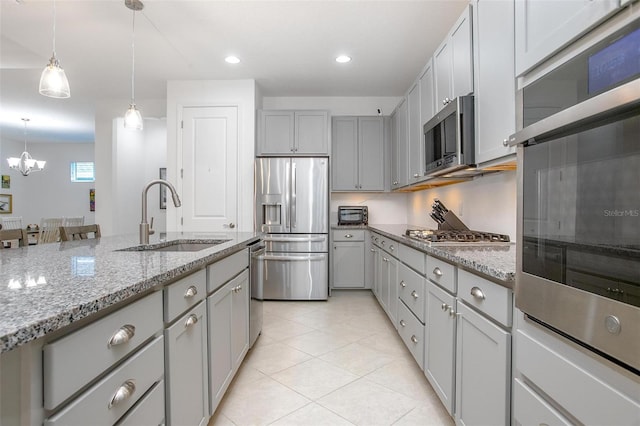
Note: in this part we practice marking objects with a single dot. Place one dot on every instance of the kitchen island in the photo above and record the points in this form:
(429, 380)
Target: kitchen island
(55, 298)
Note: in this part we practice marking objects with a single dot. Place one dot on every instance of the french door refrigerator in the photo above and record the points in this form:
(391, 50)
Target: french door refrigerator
(292, 209)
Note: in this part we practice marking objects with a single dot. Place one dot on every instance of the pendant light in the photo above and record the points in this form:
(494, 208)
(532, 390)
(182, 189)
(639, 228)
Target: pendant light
(25, 164)
(133, 118)
(53, 81)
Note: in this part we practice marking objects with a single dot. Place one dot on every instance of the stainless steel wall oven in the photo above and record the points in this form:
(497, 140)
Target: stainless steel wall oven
(578, 266)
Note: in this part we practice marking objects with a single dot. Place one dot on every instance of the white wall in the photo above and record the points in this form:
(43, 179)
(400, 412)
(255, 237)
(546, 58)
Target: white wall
(487, 204)
(239, 93)
(48, 193)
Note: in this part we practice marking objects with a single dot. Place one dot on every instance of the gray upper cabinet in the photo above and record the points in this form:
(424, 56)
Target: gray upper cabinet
(427, 94)
(544, 27)
(453, 62)
(358, 154)
(400, 147)
(416, 150)
(282, 132)
(493, 33)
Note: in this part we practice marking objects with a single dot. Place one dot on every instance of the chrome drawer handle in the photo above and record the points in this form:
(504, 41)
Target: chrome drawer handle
(392, 248)
(372, 250)
(385, 259)
(414, 339)
(437, 272)
(348, 235)
(123, 335)
(123, 393)
(477, 293)
(191, 291)
(402, 323)
(403, 284)
(191, 321)
(414, 294)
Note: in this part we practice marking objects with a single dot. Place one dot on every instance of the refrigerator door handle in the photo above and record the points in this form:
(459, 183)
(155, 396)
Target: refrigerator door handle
(294, 240)
(287, 193)
(290, 258)
(293, 194)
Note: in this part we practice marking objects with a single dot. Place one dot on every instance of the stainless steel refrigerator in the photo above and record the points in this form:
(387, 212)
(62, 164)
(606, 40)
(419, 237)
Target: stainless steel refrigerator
(292, 208)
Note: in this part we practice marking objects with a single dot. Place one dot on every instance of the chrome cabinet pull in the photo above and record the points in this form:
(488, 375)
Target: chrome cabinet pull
(414, 294)
(372, 250)
(385, 259)
(414, 339)
(452, 313)
(444, 307)
(191, 291)
(477, 293)
(123, 335)
(193, 319)
(416, 175)
(391, 247)
(123, 393)
(348, 236)
(402, 323)
(403, 284)
(437, 272)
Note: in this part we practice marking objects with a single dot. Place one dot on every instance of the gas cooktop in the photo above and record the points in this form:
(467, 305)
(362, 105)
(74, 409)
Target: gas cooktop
(443, 237)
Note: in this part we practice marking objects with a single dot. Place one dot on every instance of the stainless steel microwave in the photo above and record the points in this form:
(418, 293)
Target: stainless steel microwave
(353, 215)
(449, 138)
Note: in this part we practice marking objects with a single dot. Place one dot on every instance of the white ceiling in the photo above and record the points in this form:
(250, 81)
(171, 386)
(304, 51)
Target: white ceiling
(288, 47)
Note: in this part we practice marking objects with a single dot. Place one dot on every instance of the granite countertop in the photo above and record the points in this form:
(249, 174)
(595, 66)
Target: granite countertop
(495, 261)
(46, 287)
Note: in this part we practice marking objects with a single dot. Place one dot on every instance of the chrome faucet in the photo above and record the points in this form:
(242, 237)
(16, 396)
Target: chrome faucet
(145, 229)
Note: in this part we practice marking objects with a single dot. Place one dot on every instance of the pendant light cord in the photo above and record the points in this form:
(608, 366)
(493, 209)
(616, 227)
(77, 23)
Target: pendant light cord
(54, 28)
(133, 58)
(25, 120)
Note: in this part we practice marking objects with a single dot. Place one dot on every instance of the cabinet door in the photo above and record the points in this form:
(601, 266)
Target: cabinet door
(240, 319)
(345, 153)
(440, 344)
(348, 265)
(427, 95)
(545, 26)
(403, 144)
(376, 271)
(311, 133)
(219, 308)
(483, 370)
(186, 366)
(493, 33)
(276, 135)
(371, 153)
(461, 56)
(415, 135)
(394, 150)
(442, 74)
(393, 290)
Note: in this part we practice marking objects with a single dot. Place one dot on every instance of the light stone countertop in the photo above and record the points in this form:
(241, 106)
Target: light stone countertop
(495, 261)
(46, 287)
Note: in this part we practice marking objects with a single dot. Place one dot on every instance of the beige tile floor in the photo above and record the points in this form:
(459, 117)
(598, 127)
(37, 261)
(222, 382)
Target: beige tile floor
(339, 362)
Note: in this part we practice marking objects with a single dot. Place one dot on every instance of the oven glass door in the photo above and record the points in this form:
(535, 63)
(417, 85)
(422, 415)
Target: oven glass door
(581, 209)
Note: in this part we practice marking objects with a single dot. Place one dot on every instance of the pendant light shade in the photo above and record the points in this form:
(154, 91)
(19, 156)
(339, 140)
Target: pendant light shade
(53, 81)
(133, 118)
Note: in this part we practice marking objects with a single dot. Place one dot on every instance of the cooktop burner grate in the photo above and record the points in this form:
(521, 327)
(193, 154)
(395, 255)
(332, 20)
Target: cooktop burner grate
(454, 236)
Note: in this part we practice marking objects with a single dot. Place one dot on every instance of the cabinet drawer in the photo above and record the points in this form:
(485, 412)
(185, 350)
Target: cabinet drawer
(412, 291)
(149, 410)
(140, 372)
(349, 235)
(566, 383)
(442, 273)
(529, 408)
(486, 296)
(414, 258)
(412, 333)
(225, 269)
(183, 294)
(75, 360)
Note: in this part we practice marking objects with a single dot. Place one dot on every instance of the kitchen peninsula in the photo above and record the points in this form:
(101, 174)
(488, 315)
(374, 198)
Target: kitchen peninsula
(57, 299)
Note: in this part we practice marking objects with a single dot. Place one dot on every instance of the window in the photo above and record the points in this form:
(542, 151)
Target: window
(83, 171)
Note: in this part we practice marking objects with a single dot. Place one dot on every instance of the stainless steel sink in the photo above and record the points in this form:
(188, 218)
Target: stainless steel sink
(177, 245)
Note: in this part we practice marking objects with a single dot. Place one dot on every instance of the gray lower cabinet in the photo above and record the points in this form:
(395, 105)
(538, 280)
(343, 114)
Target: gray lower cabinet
(186, 366)
(440, 344)
(483, 370)
(348, 258)
(228, 327)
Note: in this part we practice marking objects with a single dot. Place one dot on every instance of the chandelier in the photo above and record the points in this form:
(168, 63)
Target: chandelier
(25, 164)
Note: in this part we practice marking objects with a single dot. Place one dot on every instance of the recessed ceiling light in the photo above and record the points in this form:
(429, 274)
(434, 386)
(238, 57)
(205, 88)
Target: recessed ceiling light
(343, 59)
(232, 60)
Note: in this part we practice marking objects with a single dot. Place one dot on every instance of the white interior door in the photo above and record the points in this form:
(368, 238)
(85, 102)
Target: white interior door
(210, 168)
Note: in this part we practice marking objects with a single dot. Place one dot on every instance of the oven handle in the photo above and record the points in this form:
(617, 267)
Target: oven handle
(294, 240)
(603, 106)
(311, 257)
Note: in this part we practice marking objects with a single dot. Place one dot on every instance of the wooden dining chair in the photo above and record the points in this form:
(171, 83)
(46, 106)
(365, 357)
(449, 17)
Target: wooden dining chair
(73, 221)
(14, 222)
(13, 234)
(50, 230)
(69, 233)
